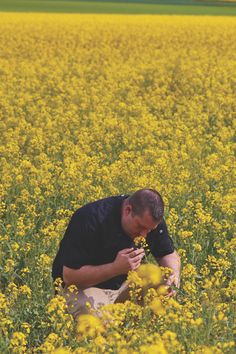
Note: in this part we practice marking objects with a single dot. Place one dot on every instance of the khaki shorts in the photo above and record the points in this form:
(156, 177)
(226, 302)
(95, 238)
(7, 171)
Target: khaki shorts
(81, 301)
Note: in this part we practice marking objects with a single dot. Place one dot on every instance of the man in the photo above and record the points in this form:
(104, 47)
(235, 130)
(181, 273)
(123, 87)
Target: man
(98, 250)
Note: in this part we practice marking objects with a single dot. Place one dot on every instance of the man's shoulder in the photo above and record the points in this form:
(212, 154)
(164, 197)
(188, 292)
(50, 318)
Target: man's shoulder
(99, 209)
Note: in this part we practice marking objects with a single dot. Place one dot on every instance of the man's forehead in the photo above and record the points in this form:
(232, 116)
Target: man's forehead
(146, 220)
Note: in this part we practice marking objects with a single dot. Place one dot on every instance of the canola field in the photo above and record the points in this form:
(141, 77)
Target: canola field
(98, 105)
(194, 7)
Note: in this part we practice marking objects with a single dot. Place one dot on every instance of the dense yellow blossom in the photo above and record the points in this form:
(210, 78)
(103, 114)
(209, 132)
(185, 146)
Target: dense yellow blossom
(89, 326)
(157, 307)
(18, 342)
(97, 105)
(153, 349)
(150, 274)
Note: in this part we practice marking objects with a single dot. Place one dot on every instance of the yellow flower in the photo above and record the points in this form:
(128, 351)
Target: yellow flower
(153, 349)
(89, 326)
(53, 340)
(18, 342)
(9, 265)
(26, 327)
(61, 351)
(186, 234)
(25, 290)
(197, 247)
(3, 301)
(157, 307)
(141, 242)
(150, 274)
(162, 290)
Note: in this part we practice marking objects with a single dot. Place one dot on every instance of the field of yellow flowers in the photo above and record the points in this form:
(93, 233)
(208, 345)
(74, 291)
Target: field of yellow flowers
(98, 105)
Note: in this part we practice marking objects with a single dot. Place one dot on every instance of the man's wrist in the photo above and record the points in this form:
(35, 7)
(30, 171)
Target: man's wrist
(115, 272)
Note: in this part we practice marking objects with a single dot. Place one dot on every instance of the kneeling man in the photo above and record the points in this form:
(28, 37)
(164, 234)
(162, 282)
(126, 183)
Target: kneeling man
(98, 249)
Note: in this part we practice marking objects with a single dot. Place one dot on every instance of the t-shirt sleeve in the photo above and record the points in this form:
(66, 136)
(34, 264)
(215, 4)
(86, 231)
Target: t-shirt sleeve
(159, 241)
(78, 244)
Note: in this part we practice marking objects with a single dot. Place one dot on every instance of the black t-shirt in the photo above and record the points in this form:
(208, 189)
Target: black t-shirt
(94, 236)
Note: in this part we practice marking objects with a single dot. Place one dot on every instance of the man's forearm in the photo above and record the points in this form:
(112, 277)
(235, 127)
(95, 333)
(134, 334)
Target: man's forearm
(172, 261)
(89, 275)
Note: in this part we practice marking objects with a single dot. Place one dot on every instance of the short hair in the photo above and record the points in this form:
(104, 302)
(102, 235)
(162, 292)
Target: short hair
(147, 199)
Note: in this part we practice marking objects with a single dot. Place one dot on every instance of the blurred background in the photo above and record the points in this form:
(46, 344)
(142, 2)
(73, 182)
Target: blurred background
(194, 7)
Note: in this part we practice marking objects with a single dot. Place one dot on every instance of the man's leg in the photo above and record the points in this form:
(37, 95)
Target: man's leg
(123, 293)
(80, 301)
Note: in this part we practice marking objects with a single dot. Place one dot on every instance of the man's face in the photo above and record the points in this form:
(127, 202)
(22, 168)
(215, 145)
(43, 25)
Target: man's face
(137, 225)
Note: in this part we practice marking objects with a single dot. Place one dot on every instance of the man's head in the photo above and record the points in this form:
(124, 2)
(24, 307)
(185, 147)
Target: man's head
(142, 212)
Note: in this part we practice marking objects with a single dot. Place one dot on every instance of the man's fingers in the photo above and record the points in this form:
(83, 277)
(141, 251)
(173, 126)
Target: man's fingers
(170, 280)
(171, 293)
(137, 252)
(132, 251)
(135, 265)
(137, 258)
(136, 262)
(127, 250)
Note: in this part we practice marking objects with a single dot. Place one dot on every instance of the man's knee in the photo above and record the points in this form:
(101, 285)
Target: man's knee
(82, 301)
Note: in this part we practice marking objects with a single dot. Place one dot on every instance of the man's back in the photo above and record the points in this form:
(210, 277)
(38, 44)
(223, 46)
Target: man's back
(94, 236)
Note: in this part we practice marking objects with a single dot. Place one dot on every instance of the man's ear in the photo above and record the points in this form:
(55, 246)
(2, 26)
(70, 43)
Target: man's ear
(128, 209)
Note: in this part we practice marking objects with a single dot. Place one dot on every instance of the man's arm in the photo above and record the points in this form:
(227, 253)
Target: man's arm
(89, 275)
(172, 261)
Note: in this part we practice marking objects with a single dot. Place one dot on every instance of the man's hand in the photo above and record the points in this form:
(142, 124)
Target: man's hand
(128, 259)
(172, 280)
(172, 261)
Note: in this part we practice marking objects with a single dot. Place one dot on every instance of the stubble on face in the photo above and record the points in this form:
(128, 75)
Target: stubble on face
(136, 225)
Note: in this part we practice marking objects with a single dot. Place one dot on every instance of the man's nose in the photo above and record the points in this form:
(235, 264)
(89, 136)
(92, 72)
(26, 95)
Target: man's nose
(144, 233)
